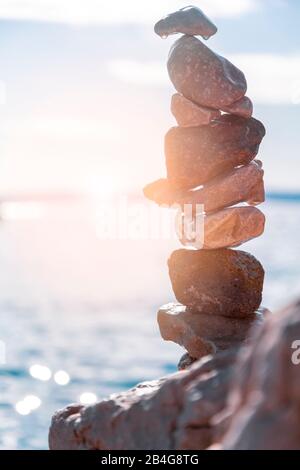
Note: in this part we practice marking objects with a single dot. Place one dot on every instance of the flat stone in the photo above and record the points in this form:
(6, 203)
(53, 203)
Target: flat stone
(223, 229)
(242, 107)
(189, 114)
(242, 184)
(181, 325)
(203, 76)
(232, 227)
(173, 328)
(189, 20)
(195, 155)
(217, 282)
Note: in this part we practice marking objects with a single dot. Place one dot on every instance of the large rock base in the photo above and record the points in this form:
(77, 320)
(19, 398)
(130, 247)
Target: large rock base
(164, 414)
(246, 399)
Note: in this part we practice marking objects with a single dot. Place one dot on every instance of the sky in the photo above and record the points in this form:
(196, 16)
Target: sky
(85, 94)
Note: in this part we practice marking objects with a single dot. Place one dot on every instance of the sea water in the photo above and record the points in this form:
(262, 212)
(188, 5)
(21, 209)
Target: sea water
(78, 313)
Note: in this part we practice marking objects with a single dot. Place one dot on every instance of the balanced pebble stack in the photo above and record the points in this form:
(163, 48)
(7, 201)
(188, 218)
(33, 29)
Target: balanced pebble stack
(210, 160)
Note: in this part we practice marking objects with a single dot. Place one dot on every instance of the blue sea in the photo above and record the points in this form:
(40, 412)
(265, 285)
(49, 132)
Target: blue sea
(78, 313)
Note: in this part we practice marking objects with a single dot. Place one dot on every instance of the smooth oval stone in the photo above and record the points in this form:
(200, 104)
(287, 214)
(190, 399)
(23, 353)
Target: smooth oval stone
(203, 76)
(242, 107)
(217, 282)
(242, 184)
(195, 155)
(189, 20)
(181, 325)
(227, 228)
(189, 114)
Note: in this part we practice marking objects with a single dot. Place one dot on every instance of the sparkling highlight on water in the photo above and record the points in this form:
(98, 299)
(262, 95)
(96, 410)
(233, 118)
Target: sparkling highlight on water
(40, 372)
(61, 377)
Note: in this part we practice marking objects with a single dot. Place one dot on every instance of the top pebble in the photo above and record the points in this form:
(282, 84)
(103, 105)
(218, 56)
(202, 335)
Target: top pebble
(189, 20)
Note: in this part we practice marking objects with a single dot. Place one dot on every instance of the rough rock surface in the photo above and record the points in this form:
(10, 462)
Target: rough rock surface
(264, 403)
(242, 184)
(224, 229)
(195, 155)
(189, 114)
(217, 282)
(252, 403)
(232, 227)
(181, 325)
(165, 414)
(203, 76)
(242, 107)
(189, 20)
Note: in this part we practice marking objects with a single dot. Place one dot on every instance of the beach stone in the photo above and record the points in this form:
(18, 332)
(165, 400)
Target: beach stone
(162, 192)
(217, 282)
(226, 228)
(181, 325)
(189, 20)
(189, 114)
(174, 328)
(203, 76)
(242, 107)
(242, 184)
(195, 155)
(166, 414)
(262, 410)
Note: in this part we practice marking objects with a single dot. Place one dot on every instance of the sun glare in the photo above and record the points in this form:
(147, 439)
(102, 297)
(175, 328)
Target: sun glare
(21, 210)
(104, 187)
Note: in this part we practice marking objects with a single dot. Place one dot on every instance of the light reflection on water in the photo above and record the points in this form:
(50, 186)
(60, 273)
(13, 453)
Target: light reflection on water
(61, 377)
(40, 372)
(78, 314)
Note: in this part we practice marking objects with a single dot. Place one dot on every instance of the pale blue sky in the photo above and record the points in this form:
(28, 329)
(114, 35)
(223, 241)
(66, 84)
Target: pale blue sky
(87, 92)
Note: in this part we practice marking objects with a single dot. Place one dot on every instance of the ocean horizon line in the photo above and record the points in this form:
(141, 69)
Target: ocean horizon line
(76, 196)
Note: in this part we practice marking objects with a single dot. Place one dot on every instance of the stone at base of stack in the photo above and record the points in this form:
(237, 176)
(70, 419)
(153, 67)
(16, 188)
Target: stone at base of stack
(201, 334)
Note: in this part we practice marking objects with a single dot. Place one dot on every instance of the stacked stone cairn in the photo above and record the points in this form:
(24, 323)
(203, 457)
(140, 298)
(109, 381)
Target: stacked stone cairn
(210, 160)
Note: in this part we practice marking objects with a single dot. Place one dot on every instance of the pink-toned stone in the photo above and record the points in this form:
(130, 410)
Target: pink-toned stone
(217, 282)
(196, 155)
(242, 184)
(242, 107)
(189, 114)
(189, 20)
(181, 325)
(162, 192)
(232, 227)
(223, 229)
(202, 76)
